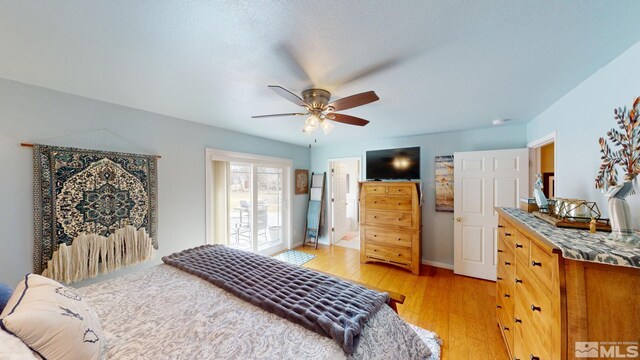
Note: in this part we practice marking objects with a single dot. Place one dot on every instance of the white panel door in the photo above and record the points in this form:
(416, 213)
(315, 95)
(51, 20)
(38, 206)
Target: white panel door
(339, 200)
(484, 180)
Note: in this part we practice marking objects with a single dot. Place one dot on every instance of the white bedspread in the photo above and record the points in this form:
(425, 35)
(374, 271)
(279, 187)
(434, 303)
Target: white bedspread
(165, 313)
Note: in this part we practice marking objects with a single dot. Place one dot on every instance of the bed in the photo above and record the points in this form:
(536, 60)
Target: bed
(166, 313)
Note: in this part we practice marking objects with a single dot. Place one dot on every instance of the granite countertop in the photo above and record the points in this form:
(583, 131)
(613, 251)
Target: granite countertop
(580, 244)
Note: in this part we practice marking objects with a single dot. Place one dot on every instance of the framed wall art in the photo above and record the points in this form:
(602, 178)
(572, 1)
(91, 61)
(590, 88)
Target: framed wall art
(302, 181)
(444, 183)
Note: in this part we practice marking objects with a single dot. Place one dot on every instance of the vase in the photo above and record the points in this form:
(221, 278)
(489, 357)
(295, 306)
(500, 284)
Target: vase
(620, 214)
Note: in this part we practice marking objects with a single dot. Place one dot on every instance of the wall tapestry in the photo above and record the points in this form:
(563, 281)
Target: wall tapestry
(95, 211)
(444, 183)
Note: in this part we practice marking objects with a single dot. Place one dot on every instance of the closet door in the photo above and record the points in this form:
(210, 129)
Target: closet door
(484, 180)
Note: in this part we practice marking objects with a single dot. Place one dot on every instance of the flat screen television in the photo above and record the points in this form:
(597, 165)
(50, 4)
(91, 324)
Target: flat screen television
(393, 164)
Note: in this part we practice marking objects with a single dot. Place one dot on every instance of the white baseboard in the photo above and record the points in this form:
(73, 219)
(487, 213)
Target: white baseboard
(295, 245)
(437, 264)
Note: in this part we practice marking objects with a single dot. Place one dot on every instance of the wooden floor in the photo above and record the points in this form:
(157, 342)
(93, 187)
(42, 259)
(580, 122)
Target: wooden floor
(459, 309)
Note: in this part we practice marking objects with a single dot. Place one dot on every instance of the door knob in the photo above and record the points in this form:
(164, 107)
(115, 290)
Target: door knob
(459, 219)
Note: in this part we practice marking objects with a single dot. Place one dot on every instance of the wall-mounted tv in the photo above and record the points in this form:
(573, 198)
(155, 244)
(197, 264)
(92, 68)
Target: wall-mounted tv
(394, 164)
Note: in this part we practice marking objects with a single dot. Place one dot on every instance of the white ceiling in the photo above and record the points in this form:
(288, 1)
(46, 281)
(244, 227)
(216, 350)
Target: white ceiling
(442, 65)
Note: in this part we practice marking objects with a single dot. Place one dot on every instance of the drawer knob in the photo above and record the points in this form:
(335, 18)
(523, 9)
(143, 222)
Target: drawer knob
(375, 217)
(505, 328)
(499, 307)
(375, 235)
(507, 234)
(500, 251)
(500, 226)
(399, 203)
(518, 245)
(399, 239)
(535, 263)
(531, 357)
(507, 263)
(518, 281)
(499, 278)
(517, 320)
(535, 308)
(507, 295)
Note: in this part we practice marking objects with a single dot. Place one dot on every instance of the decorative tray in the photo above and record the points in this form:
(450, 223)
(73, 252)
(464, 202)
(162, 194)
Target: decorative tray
(574, 222)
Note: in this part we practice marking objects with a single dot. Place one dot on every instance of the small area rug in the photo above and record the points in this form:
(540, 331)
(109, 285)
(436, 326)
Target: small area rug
(350, 235)
(432, 340)
(351, 244)
(295, 257)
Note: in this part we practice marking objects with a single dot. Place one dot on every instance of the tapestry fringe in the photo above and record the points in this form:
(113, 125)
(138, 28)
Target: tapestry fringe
(93, 254)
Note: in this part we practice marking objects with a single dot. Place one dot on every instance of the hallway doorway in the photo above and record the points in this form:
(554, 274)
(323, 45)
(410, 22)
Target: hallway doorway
(343, 202)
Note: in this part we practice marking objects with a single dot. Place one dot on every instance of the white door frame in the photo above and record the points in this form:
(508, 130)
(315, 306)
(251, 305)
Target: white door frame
(534, 148)
(224, 155)
(332, 240)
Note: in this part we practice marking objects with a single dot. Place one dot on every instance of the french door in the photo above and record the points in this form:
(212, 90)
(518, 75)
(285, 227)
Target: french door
(257, 203)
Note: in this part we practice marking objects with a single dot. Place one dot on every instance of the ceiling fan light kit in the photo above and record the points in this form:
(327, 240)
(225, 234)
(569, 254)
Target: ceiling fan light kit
(322, 112)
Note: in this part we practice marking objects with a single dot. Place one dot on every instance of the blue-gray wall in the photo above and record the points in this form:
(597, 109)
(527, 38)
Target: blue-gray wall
(581, 117)
(437, 238)
(33, 114)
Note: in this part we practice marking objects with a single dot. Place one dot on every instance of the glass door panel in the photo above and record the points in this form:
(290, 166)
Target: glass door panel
(240, 209)
(270, 208)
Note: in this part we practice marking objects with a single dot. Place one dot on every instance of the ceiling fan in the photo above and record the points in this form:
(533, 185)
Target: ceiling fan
(320, 111)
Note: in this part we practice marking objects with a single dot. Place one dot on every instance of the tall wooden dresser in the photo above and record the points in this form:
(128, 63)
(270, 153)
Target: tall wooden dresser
(549, 306)
(391, 223)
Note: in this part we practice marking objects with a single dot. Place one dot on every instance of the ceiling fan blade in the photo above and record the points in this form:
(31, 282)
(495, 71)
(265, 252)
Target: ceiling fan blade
(347, 119)
(288, 95)
(287, 55)
(354, 101)
(372, 70)
(276, 115)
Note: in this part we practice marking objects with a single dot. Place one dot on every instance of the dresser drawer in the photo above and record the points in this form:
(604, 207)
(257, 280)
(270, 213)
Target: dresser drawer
(375, 189)
(504, 274)
(508, 234)
(505, 297)
(394, 254)
(533, 307)
(506, 327)
(394, 238)
(527, 345)
(521, 245)
(542, 265)
(388, 203)
(400, 190)
(507, 262)
(388, 218)
(504, 251)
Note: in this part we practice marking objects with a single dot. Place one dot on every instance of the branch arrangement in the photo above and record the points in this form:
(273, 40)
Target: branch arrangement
(627, 139)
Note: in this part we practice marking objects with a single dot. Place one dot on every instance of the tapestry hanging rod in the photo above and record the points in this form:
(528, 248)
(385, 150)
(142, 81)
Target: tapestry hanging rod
(31, 145)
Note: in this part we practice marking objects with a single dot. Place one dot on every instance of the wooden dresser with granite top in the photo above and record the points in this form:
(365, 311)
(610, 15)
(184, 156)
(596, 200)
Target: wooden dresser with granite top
(391, 223)
(561, 290)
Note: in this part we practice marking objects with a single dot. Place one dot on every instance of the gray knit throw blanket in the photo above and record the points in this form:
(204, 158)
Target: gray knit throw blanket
(327, 305)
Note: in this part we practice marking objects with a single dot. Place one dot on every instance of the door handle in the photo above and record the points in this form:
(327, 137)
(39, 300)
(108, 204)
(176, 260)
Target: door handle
(459, 219)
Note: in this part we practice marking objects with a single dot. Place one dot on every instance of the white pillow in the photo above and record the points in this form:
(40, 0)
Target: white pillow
(12, 348)
(53, 320)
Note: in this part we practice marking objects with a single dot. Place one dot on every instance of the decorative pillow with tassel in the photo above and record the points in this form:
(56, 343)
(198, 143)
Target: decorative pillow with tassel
(53, 320)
